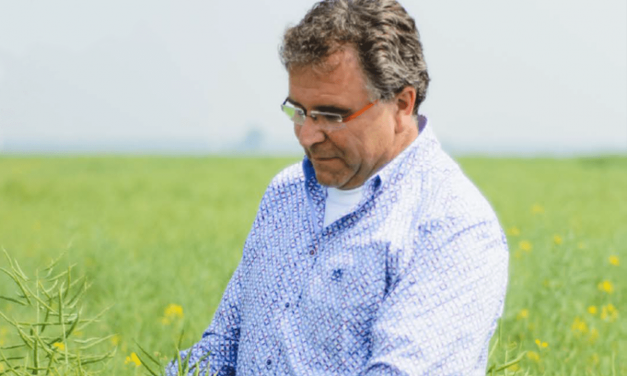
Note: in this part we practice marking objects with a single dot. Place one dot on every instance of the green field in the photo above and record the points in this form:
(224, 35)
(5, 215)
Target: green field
(149, 232)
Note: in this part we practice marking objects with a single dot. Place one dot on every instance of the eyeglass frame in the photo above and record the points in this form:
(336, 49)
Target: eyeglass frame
(324, 115)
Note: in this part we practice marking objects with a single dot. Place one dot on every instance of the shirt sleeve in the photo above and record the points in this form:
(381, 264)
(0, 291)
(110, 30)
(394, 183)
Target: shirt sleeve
(443, 306)
(216, 352)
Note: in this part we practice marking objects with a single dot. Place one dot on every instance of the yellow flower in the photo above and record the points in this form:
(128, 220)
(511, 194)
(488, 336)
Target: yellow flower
(557, 239)
(59, 346)
(606, 286)
(609, 313)
(115, 340)
(594, 359)
(172, 313)
(614, 260)
(592, 310)
(532, 355)
(525, 245)
(133, 358)
(581, 245)
(594, 335)
(537, 209)
(1, 368)
(541, 345)
(523, 314)
(513, 231)
(513, 368)
(579, 326)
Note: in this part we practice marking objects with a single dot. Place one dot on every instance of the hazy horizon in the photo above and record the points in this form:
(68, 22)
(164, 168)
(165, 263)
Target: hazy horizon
(546, 79)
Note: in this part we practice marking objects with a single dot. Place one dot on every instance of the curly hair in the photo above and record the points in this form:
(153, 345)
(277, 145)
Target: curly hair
(383, 34)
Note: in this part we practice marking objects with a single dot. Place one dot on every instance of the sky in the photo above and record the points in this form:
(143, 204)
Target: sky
(508, 78)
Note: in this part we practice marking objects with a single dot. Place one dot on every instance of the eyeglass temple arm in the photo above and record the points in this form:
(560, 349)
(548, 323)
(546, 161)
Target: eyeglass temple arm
(351, 117)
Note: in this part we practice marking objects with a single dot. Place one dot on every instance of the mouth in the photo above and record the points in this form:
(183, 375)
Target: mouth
(321, 156)
(321, 159)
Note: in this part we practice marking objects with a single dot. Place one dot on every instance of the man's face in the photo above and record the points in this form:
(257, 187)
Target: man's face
(343, 158)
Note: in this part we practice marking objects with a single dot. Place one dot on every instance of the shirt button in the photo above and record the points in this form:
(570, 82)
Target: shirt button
(269, 363)
(312, 252)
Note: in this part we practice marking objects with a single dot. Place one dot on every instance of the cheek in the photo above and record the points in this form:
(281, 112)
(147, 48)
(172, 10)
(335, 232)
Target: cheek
(357, 155)
(378, 143)
(349, 147)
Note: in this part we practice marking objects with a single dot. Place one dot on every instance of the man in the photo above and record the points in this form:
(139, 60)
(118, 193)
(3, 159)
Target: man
(376, 255)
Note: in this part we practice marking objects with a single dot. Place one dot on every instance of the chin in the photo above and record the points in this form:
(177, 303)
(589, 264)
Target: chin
(328, 181)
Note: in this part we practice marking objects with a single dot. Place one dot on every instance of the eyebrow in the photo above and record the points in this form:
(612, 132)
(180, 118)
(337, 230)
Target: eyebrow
(330, 109)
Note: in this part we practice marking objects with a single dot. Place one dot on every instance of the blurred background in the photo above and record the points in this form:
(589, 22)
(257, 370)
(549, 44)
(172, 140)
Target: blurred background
(533, 78)
(121, 90)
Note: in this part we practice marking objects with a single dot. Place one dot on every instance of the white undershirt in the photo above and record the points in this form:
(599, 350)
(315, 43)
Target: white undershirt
(340, 202)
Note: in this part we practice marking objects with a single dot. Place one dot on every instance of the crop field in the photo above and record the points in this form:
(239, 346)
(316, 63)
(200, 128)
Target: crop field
(158, 238)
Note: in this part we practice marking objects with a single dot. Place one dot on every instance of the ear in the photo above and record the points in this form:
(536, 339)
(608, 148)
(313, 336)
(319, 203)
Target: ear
(405, 101)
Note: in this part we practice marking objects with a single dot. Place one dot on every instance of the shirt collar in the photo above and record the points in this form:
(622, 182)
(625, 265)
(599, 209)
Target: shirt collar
(417, 153)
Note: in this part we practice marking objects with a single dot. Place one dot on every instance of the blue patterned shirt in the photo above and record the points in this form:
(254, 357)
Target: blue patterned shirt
(410, 282)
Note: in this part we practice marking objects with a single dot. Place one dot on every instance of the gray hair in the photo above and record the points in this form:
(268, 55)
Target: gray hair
(383, 34)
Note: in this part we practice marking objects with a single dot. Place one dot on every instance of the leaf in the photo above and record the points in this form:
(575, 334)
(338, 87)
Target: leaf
(13, 300)
(147, 354)
(511, 363)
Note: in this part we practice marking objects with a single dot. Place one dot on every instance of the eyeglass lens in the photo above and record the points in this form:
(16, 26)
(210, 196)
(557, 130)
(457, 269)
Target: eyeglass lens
(298, 116)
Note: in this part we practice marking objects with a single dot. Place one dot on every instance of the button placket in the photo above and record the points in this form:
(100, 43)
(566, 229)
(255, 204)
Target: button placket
(314, 248)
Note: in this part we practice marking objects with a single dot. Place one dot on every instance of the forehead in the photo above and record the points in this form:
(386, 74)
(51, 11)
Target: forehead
(339, 80)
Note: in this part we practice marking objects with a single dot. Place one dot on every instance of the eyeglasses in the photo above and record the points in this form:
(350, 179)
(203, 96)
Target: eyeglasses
(299, 115)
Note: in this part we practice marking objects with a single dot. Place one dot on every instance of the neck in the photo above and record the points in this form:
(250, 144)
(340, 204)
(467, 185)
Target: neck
(405, 137)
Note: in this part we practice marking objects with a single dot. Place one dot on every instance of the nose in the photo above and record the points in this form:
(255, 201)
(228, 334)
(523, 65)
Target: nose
(309, 133)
